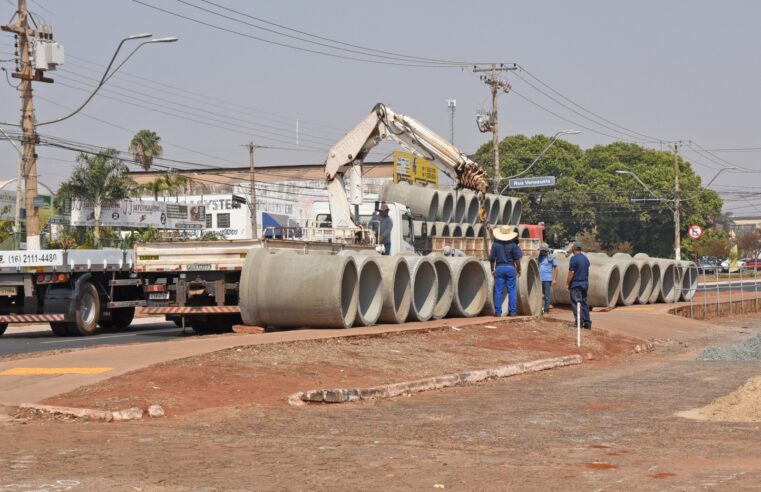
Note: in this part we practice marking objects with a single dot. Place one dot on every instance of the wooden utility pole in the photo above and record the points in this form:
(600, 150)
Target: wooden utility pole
(677, 205)
(252, 202)
(493, 123)
(27, 74)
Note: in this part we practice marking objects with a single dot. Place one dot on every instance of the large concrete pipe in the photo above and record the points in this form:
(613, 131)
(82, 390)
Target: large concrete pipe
(668, 281)
(645, 276)
(480, 230)
(560, 294)
(470, 287)
(456, 230)
(517, 211)
(494, 212)
(396, 288)
(370, 301)
(292, 290)
(424, 288)
(445, 288)
(529, 289)
(488, 202)
(460, 207)
(468, 230)
(421, 201)
(446, 205)
(655, 267)
(630, 282)
(604, 281)
(488, 309)
(689, 280)
(471, 211)
(505, 214)
(523, 231)
(437, 229)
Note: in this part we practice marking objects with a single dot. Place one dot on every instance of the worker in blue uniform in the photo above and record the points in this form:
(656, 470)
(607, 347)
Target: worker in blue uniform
(548, 273)
(505, 263)
(577, 285)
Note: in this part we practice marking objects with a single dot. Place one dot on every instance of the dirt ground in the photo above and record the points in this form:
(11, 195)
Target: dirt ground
(268, 374)
(609, 424)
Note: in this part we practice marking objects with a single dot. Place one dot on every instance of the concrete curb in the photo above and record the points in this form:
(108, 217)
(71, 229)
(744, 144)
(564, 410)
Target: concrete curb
(344, 395)
(85, 413)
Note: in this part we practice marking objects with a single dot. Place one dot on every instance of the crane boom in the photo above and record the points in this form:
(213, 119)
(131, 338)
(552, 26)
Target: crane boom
(382, 123)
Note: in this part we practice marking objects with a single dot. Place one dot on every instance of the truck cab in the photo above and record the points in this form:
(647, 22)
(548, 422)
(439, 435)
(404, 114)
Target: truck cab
(402, 233)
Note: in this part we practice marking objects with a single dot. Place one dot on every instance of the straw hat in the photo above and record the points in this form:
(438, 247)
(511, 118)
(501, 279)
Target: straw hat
(505, 233)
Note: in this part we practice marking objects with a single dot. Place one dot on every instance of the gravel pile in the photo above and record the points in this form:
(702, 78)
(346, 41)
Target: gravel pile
(749, 349)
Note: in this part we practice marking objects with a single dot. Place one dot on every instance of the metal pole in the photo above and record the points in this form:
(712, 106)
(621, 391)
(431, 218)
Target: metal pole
(755, 289)
(718, 296)
(677, 196)
(689, 288)
(578, 324)
(705, 296)
(730, 289)
(742, 293)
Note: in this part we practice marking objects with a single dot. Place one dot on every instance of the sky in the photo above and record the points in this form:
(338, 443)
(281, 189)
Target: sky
(644, 71)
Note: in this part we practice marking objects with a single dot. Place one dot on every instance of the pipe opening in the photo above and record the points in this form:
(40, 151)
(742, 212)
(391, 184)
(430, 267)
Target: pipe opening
(370, 293)
(401, 287)
(471, 213)
(614, 286)
(645, 284)
(517, 211)
(447, 207)
(656, 272)
(424, 291)
(444, 288)
(471, 288)
(469, 231)
(507, 212)
(689, 281)
(630, 285)
(668, 279)
(349, 293)
(433, 207)
(459, 208)
(496, 210)
(455, 230)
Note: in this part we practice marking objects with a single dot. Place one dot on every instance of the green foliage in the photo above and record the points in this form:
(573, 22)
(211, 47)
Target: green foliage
(144, 146)
(166, 184)
(590, 196)
(98, 179)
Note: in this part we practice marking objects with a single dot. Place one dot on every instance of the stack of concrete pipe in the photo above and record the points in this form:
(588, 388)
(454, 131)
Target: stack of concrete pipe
(624, 280)
(529, 290)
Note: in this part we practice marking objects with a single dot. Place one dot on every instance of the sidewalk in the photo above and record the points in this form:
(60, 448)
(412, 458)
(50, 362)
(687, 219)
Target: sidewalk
(34, 379)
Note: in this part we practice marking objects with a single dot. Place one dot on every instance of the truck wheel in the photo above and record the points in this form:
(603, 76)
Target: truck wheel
(3, 326)
(87, 311)
(60, 329)
(120, 319)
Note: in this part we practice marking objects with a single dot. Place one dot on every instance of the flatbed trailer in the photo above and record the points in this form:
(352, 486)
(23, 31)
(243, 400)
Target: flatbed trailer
(73, 290)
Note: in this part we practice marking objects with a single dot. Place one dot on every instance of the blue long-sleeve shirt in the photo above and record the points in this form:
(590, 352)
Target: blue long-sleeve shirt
(504, 252)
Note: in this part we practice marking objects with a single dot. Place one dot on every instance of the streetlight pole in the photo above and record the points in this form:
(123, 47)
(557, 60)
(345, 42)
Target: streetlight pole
(544, 151)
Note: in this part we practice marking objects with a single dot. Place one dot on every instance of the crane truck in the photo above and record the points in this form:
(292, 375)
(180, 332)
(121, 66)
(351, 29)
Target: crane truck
(198, 281)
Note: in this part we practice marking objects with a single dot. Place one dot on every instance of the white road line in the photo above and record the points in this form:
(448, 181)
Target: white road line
(107, 337)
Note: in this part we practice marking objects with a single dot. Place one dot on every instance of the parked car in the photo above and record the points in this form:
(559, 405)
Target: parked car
(708, 265)
(741, 263)
(753, 264)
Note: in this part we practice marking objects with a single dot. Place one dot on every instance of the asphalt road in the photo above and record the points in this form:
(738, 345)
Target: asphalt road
(39, 337)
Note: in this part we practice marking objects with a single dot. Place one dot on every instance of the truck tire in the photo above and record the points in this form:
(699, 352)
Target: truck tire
(60, 329)
(120, 319)
(87, 311)
(3, 326)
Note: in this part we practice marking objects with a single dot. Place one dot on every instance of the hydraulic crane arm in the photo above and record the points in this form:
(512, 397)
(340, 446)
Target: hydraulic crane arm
(383, 124)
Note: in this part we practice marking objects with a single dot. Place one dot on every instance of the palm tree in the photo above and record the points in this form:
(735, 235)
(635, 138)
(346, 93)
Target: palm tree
(98, 179)
(176, 183)
(157, 187)
(144, 147)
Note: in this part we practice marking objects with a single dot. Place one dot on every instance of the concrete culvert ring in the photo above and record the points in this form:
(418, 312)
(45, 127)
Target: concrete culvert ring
(445, 231)
(445, 289)
(446, 207)
(349, 293)
(656, 272)
(470, 289)
(469, 231)
(614, 286)
(507, 211)
(529, 289)
(515, 216)
(629, 284)
(471, 213)
(402, 292)
(668, 279)
(459, 207)
(455, 230)
(370, 293)
(496, 210)
(433, 208)
(645, 283)
(424, 291)
(690, 277)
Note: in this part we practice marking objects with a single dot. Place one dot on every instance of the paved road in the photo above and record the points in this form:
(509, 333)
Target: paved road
(39, 338)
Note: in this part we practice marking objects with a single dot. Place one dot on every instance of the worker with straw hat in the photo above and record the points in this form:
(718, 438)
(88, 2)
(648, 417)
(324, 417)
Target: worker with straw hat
(505, 263)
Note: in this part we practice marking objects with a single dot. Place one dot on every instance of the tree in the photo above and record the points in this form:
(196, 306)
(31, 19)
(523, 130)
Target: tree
(145, 145)
(98, 179)
(749, 244)
(156, 187)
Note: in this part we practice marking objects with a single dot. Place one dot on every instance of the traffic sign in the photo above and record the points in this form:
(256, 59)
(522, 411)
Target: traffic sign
(532, 182)
(695, 232)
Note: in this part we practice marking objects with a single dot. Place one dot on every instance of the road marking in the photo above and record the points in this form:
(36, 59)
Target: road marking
(107, 337)
(41, 371)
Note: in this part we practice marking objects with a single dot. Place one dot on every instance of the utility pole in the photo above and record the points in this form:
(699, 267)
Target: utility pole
(677, 205)
(252, 202)
(452, 105)
(492, 124)
(27, 74)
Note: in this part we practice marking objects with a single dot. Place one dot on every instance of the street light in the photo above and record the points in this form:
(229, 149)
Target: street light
(106, 75)
(550, 144)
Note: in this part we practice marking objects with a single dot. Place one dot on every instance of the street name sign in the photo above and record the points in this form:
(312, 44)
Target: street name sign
(532, 182)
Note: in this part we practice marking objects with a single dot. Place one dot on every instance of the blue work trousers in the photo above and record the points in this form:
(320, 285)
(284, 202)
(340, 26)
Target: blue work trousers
(387, 248)
(504, 275)
(579, 296)
(547, 291)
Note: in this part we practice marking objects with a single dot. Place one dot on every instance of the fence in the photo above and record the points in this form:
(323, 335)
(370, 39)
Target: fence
(721, 298)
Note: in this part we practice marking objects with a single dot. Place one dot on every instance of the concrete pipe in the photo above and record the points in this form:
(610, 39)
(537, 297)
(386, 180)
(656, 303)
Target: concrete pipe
(645, 281)
(488, 309)
(524, 232)
(472, 208)
(445, 288)
(517, 211)
(396, 288)
(505, 214)
(655, 267)
(437, 229)
(292, 290)
(370, 300)
(446, 205)
(470, 287)
(424, 288)
(421, 201)
(488, 203)
(480, 230)
(668, 281)
(689, 280)
(456, 230)
(494, 212)
(529, 289)
(445, 230)
(460, 207)
(605, 281)
(630, 282)
(560, 294)
(468, 230)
